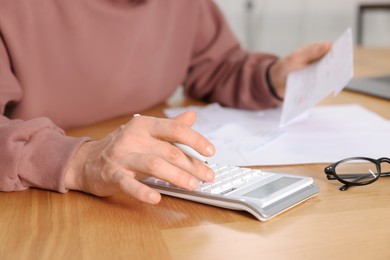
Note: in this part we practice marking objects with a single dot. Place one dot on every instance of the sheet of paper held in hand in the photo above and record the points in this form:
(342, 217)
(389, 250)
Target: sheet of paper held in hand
(306, 87)
(327, 134)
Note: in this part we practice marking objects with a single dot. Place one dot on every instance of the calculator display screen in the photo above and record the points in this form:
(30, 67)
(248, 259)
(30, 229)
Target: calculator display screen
(271, 187)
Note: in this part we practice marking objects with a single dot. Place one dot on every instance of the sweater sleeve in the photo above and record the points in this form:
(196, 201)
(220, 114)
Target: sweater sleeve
(220, 71)
(33, 153)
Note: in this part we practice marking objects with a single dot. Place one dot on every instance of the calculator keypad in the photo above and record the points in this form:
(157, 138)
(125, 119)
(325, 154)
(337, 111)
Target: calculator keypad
(227, 178)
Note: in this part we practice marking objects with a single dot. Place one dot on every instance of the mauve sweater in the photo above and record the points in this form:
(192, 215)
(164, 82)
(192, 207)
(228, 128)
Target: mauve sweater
(68, 63)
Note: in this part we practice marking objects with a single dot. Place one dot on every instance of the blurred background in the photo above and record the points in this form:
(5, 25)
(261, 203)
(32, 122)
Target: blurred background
(280, 26)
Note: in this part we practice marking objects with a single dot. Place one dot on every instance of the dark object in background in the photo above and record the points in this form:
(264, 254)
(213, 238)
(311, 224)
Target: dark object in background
(376, 86)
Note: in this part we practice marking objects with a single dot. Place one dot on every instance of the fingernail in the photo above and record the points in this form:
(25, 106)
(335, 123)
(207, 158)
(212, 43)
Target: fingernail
(154, 197)
(193, 183)
(210, 150)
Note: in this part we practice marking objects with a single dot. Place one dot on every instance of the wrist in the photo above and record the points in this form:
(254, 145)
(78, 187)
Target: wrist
(75, 168)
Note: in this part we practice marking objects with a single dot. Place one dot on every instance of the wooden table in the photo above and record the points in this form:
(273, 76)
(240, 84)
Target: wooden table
(39, 224)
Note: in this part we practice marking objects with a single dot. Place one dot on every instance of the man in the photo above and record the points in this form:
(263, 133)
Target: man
(65, 64)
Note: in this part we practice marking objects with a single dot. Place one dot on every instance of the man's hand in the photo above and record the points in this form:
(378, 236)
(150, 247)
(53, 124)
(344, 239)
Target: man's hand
(295, 61)
(137, 150)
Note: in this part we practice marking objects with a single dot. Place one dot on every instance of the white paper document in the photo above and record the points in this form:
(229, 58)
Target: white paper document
(327, 134)
(306, 87)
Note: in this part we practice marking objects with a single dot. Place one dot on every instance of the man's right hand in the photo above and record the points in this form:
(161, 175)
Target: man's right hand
(137, 150)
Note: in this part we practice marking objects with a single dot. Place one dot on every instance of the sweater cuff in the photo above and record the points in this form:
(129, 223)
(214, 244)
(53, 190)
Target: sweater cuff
(44, 166)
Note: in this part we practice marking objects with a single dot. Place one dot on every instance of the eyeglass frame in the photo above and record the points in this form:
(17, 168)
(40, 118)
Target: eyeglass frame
(332, 175)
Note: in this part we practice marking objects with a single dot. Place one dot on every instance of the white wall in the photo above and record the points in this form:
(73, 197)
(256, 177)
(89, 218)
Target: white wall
(279, 26)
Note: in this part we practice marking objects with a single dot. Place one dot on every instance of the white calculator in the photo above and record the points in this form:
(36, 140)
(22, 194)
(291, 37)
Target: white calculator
(263, 194)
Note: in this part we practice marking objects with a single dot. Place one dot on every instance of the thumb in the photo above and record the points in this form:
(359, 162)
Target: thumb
(297, 60)
(314, 51)
(188, 117)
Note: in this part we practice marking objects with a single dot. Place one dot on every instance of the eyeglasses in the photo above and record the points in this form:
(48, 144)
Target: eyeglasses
(358, 171)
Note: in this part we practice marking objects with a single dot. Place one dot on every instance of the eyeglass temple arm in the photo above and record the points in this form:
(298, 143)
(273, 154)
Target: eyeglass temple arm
(344, 187)
(349, 176)
(358, 175)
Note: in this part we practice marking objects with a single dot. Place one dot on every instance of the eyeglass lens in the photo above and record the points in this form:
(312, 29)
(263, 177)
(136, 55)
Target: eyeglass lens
(357, 171)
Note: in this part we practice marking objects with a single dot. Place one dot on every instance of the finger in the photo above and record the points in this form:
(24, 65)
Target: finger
(184, 134)
(130, 186)
(200, 170)
(188, 117)
(178, 158)
(173, 155)
(156, 166)
(314, 51)
(173, 130)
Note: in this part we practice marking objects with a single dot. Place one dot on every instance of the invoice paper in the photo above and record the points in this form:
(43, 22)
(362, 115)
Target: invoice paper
(306, 87)
(326, 134)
